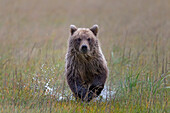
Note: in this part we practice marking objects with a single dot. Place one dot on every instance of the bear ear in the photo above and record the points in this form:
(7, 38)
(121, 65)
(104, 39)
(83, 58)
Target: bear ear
(95, 29)
(73, 28)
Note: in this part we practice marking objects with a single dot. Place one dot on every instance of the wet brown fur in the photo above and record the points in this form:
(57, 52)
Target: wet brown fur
(85, 70)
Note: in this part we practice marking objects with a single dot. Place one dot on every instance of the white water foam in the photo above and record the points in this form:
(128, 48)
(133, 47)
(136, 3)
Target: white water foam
(106, 94)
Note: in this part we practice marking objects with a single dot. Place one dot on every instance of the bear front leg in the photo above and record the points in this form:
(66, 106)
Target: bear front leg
(77, 88)
(93, 91)
(96, 87)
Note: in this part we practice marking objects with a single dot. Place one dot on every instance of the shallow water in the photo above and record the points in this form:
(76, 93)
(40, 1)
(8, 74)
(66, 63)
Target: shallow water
(106, 94)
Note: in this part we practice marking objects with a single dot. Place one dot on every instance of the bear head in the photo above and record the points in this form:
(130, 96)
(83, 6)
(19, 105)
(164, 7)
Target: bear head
(83, 40)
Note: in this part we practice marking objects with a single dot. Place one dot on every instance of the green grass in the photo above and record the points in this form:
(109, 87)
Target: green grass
(137, 90)
(33, 44)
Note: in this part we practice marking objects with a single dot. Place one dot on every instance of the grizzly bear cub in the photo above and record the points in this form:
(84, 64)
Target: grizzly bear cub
(86, 67)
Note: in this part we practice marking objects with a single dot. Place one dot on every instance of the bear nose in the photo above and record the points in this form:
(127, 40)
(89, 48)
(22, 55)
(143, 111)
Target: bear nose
(84, 48)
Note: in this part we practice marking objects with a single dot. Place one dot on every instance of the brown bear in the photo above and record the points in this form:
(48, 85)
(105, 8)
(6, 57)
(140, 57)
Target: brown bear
(86, 67)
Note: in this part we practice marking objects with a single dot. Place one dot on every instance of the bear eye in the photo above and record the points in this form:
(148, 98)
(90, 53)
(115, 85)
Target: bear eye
(79, 39)
(89, 39)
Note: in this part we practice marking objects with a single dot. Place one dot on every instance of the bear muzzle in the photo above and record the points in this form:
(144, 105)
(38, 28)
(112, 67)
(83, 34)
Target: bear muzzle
(84, 49)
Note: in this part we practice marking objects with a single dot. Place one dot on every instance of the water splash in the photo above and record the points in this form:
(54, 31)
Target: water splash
(106, 94)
